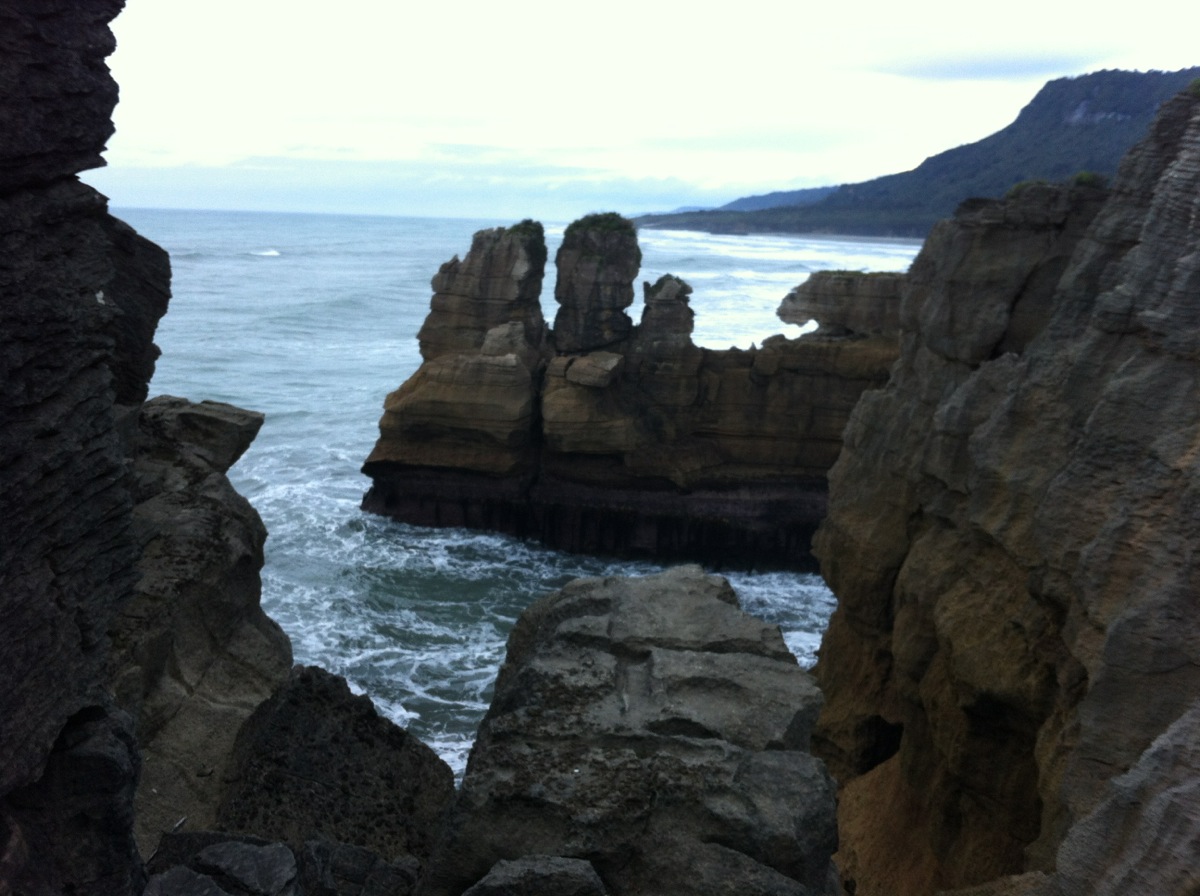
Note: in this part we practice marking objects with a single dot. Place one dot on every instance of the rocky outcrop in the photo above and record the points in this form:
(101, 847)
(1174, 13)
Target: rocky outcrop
(192, 651)
(845, 302)
(499, 283)
(597, 263)
(315, 763)
(610, 437)
(651, 728)
(1010, 539)
(78, 292)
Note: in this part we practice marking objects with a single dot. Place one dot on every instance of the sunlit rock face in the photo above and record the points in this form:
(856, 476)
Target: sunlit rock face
(1010, 536)
(607, 436)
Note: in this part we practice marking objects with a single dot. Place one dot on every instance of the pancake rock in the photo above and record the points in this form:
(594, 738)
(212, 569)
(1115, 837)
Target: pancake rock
(650, 728)
(79, 293)
(612, 437)
(846, 302)
(1010, 536)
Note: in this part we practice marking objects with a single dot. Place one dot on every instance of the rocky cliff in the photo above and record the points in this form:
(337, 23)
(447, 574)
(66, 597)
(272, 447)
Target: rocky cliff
(602, 435)
(1013, 668)
(133, 645)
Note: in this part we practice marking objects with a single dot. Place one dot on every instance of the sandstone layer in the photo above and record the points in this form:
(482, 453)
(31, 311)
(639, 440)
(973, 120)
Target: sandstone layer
(602, 436)
(1010, 536)
(650, 728)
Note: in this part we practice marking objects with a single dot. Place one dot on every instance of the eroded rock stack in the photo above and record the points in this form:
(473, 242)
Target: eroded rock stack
(610, 437)
(650, 729)
(1011, 535)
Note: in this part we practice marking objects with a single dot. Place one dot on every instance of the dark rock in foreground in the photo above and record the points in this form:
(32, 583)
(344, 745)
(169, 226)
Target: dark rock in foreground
(651, 728)
(315, 762)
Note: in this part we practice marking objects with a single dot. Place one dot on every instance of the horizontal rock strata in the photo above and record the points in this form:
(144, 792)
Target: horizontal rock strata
(606, 437)
(653, 730)
(1010, 536)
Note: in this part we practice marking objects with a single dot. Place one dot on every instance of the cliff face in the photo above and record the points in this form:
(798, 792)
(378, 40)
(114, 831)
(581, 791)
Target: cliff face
(72, 281)
(605, 436)
(119, 534)
(1010, 537)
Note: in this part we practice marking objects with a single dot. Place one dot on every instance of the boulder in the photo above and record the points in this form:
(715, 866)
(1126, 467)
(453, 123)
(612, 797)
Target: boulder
(653, 729)
(314, 762)
(540, 876)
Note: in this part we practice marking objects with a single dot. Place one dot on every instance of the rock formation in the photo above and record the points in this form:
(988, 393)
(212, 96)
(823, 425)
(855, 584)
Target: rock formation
(73, 284)
(133, 641)
(651, 728)
(1010, 536)
(846, 302)
(607, 437)
(314, 762)
(192, 651)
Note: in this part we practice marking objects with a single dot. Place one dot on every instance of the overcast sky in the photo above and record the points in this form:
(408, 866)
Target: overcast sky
(530, 108)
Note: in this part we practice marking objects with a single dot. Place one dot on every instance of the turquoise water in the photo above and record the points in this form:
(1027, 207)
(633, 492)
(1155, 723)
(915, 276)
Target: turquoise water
(312, 319)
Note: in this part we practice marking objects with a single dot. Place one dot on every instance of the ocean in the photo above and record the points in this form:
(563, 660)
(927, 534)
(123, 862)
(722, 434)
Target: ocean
(312, 319)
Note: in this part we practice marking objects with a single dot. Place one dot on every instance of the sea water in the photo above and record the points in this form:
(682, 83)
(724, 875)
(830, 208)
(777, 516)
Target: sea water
(312, 319)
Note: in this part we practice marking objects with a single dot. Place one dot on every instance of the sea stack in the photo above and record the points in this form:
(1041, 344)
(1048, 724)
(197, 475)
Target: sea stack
(610, 437)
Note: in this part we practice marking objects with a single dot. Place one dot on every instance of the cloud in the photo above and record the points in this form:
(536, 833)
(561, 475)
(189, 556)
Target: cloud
(480, 190)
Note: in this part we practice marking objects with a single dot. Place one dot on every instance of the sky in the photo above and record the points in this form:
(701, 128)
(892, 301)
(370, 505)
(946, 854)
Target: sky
(551, 110)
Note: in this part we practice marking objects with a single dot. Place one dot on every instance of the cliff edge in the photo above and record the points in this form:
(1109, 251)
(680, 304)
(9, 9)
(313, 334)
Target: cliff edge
(1014, 662)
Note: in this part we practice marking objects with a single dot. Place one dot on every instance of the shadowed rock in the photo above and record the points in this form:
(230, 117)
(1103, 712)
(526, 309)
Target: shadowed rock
(314, 762)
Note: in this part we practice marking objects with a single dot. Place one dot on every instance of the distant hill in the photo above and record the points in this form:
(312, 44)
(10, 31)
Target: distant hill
(1073, 125)
(778, 199)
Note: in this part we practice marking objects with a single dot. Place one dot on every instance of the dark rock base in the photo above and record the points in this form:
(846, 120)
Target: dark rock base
(752, 525)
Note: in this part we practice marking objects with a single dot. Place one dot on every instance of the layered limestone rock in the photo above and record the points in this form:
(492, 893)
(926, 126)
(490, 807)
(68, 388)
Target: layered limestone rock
(597, 263)
(846, 302)
(625, 439)
(653, 730)
(73, 282)
(474, 400)
(1010, 537)
(498, 283)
